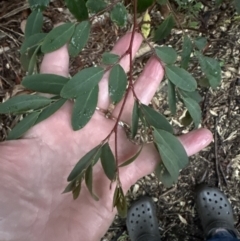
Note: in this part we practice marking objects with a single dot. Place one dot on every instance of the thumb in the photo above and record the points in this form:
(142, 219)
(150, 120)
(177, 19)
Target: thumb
(56, 62)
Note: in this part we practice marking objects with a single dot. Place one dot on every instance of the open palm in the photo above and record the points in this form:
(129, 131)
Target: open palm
(33, 170)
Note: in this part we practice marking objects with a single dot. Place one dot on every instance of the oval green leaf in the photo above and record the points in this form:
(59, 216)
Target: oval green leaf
(193, 95)
(56, 38)
(120, 202)
(135, 119)
(109, 58)
(143, 5)
(34, 23)
(132, 159)
(117, 83)
(172, 152)
(78, 9)
(84, 162)
(45, 83)
(108, 162)
(50, 110)
(119, 15)
(167, 54)
(181, 78)
(23, 126)
(79, 38)
(194, 110)
(186, 52)
(172, 98)
(84, 108)
(89, 182)
(165, 28)
(200, 43)
(96, 6)
(39, 5)
(155, 119)
(83, 81)
(23, 103)
(31, 43)
(163, 175)
(211, 68)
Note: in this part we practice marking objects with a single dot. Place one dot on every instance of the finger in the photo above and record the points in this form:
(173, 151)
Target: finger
(145, 88)
(120, 49)
(193, 142)
(56, 62)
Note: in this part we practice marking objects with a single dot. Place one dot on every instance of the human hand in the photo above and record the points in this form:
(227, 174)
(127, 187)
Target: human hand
(34, 170)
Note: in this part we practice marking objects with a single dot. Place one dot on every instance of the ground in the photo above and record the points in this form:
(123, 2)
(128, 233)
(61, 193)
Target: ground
(218, 164)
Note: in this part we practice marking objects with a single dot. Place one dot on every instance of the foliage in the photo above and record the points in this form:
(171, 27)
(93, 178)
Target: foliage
(83, 88)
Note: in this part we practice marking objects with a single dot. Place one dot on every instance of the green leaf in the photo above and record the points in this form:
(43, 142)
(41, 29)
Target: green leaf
(120, 202)
(194, 110)
(96, 6)
(211, 69)
(39, 5)
(155, 119)
(57, 37)
(236, 4)
(108, 162)
(143, 5)
(172, 152)
(167, 54)
(31, 43)
(73, 184)
(172, 98)
(34, 23)
(181, 78)
(109, 58)
(117, 83)
(79, 38)
(119, 15)
(135, 119)
(162, 2)
(50, 110)
(83, 81)
(84, 162)
(163, 175)
(193, 95)
(84, 108)
(186, 52)
(200, 43)
(132, 159)
(78, 9)
(164, 29)
(23, 103)
(23, 126)
(33, 61)
(45, 83)
(89, 182)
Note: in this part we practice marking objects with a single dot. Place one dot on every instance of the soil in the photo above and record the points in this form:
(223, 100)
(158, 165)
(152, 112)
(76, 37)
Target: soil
(217, 165)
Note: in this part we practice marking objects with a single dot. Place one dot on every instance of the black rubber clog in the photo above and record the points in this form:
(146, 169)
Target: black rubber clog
(214, 210)
(142, 223)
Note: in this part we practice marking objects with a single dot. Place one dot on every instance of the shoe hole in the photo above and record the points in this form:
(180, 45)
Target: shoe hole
(151, 225)
(215, 194)
(213, 208)
(139, 215)
(142, 205)
(221, 199)
(225, 205)
(150, 216)
(143, 212)
(132, 229)
(133, 215)
(210, 199)
(228, 213)
(216, 201)
(136, 209)
(136, 222)
(148, 209)
(131, 221)
(208, 193)
(144, 221)
(219, 213)
(204, 199)
(220, 207)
